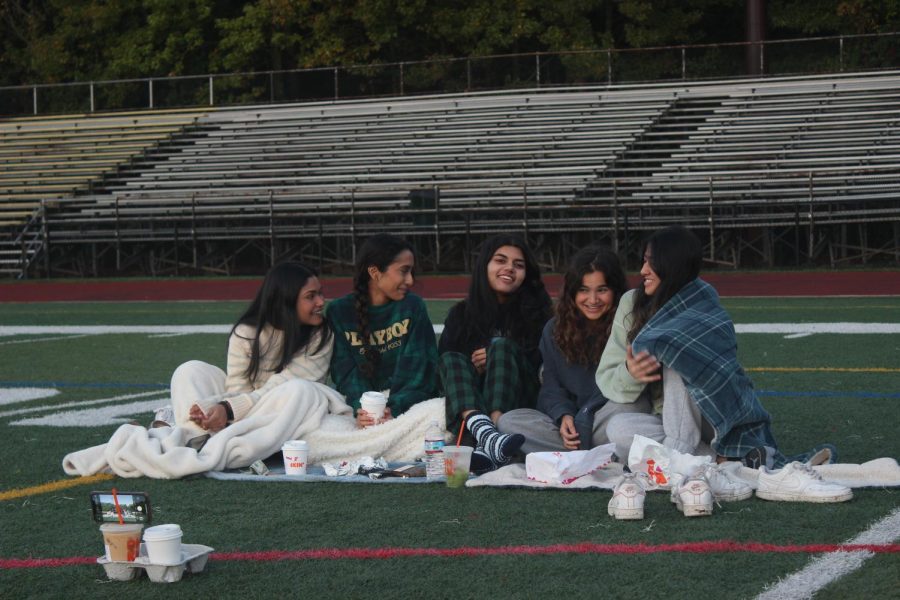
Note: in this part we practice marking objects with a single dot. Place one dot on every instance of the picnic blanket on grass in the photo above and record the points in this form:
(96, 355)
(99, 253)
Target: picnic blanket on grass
(880, 472)
(322, 418)
(313, 474)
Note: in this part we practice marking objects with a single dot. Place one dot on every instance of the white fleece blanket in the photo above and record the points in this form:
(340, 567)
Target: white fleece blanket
(322, 418)
(881, 472)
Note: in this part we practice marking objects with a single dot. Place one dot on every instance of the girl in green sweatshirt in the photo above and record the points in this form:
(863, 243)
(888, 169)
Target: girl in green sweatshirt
(384, 340)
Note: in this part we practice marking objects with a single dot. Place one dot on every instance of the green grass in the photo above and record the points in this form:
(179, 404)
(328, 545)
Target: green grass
(854, 410)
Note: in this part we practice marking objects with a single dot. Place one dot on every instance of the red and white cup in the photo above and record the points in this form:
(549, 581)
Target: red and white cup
(296, 455)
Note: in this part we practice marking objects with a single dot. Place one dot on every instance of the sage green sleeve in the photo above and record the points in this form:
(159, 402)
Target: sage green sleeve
(613, 377)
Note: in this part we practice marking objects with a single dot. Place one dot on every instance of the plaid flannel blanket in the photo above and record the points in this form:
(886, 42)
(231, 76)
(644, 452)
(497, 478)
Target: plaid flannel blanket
(693, 335)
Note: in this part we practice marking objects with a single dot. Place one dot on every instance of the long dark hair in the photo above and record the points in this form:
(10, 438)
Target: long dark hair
(275, 305)
(581, 340)
(379, 251)
(527, 309)
(676, 255)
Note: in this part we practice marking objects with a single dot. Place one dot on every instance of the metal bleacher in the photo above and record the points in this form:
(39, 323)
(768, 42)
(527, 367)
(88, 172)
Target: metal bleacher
(45, 160)
(817, 154)
(338, 169)
(748, 163)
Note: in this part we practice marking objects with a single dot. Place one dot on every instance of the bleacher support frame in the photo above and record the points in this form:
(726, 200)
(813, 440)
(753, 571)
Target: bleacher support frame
(787, 172)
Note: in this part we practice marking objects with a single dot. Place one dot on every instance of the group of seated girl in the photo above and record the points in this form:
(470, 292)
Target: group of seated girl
(518, 375)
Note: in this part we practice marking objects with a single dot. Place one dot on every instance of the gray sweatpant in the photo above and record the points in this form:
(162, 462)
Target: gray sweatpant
(542, 433)
(680, 427)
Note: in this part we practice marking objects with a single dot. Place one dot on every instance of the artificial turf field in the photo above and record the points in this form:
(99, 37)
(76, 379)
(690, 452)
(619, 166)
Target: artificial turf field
(369, 541)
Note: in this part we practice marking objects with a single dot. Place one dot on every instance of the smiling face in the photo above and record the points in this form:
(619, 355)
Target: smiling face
(594, 299)
(506, 271)
(650, 279)
(394, 282)
(311, 303)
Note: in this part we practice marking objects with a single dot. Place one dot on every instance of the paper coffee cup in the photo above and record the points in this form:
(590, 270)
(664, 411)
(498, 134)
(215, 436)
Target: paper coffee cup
(122, 542)
(163, 543)
(374, 403)
(296, 455)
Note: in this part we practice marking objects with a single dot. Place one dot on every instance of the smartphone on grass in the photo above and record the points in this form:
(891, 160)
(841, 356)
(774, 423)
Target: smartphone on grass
(134, 507)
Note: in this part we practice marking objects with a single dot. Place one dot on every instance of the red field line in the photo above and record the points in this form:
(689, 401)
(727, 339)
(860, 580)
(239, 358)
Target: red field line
(712, 547)
(796, 283)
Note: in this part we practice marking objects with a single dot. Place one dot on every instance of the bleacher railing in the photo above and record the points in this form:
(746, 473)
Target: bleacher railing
(832, 54)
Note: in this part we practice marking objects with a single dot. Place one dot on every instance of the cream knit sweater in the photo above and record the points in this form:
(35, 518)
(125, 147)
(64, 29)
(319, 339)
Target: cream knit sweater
(241, 393)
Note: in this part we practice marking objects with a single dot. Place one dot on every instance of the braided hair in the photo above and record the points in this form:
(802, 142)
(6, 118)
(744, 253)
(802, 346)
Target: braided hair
(378, 251)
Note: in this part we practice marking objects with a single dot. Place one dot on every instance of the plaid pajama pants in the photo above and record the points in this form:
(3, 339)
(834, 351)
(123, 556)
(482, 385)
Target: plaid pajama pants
(509, 381)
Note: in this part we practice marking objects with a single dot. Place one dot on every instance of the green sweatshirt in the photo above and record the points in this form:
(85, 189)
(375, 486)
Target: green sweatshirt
(402, 332)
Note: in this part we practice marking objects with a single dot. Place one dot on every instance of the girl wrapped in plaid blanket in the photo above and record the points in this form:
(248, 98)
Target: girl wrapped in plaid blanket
(673, 342)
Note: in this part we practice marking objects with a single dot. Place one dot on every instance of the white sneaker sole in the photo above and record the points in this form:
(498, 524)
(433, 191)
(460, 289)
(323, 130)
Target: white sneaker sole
(627, 514)
(733, 497)
(696, 510)
(796, 497)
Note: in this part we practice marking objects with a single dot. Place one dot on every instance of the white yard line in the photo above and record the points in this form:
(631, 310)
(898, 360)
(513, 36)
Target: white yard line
(167, 335)
(110, 329)
(49, 339)
(828, 568)
(111, 414)
(81, 403)
(793, 329)
(14, 395)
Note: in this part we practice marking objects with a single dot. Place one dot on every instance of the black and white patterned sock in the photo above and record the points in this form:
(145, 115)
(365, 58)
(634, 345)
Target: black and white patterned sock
(498, 447)
(481, 462)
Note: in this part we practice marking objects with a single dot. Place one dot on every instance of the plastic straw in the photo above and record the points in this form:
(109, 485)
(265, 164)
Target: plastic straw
(459, 437)
(118, 508)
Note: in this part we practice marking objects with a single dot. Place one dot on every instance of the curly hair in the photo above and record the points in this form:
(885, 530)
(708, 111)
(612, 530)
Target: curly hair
(378, 251)
(580, 340)
(676, 255)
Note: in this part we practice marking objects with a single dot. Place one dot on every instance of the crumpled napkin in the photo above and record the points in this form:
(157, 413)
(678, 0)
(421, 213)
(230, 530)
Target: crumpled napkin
(359, 467)
(661, 463)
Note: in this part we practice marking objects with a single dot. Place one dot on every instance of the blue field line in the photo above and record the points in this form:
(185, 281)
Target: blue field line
(827, 394)
(79, 384)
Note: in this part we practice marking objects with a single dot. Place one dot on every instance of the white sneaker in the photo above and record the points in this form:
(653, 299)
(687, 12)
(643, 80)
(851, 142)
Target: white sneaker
(628, 498)
(724, 483)
(799, 482)
(692, 495)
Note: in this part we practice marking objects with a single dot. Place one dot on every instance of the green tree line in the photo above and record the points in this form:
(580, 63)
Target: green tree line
(47, 41)
(57, 41)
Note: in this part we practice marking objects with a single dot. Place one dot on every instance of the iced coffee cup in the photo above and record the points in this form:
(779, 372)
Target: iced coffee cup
(122, 542)
(456, 465)
(374, 403)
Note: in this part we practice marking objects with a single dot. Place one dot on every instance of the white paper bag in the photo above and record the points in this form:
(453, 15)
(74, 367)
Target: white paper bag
(660, 463)
(565, 467)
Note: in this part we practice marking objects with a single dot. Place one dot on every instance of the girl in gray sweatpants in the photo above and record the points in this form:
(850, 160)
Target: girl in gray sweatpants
(572, 413)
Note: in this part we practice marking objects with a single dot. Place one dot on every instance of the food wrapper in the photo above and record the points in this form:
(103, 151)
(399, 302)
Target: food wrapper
(565, 467)
(660, 462)
(361, 466)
